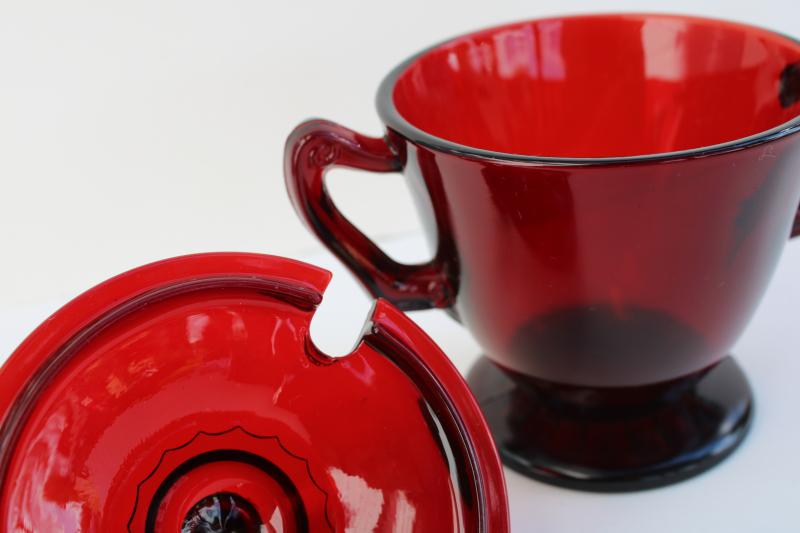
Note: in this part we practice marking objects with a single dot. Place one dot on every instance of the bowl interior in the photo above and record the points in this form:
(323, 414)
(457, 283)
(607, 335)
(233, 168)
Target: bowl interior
(603, 86)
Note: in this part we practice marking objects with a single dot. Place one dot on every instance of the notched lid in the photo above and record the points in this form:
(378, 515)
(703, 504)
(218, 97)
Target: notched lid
(187, 395)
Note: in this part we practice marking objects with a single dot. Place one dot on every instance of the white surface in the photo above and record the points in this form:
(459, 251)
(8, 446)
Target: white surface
(754, 490)
(134, 131)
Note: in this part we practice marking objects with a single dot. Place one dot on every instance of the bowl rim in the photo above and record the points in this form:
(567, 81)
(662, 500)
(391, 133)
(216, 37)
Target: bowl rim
(394, 120)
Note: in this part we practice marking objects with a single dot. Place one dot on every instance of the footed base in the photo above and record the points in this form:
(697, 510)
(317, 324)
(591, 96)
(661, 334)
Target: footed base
(615, 439)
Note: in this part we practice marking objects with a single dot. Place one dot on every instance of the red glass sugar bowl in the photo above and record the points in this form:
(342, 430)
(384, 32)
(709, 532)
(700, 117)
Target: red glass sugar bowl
(607, 197)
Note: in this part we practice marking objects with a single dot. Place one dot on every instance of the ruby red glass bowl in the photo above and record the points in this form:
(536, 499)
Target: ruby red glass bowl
(607, 197)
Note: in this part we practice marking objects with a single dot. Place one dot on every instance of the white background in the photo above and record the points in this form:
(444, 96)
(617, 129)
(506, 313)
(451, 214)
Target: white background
(135, 131)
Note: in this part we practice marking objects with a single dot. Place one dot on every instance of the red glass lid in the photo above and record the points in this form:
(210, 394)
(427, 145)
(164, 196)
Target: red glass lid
(187, 396)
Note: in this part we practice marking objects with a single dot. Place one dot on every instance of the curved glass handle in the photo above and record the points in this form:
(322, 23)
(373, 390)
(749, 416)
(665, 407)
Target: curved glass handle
(788, 95)
(317, 145)
(796, 227)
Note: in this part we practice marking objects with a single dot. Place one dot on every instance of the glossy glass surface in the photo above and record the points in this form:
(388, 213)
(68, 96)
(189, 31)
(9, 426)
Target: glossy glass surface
(572, 264)
(601, 86)
(189, 391)
(614, 439)
(610, 275)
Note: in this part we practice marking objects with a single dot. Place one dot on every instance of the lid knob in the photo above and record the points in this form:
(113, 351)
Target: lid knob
(227, 497)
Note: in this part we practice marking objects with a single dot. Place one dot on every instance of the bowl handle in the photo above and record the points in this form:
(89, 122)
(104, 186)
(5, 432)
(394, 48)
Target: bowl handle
(311, 149)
